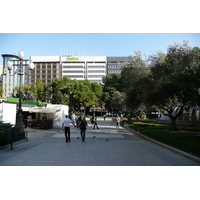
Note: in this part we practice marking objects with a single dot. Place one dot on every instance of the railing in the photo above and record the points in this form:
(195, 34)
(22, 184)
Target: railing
(184, 146)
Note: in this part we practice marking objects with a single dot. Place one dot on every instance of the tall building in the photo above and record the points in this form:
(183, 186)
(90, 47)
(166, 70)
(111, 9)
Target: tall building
(46, 68)
(92, 68)
(116, 64)
(10, 78)
(1, 72)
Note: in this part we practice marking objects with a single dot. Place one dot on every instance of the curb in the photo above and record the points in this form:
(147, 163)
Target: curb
(165, 146)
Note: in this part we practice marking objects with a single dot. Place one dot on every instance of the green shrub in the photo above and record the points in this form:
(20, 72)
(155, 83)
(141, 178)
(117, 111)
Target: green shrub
(142, 124)
(6, 128)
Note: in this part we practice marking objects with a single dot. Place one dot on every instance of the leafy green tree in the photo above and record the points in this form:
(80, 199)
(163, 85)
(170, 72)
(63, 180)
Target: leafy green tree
(118, 101)
(40, 91)
(175, 81)
(135, 78)
(97, 90)
(28, 91)
(80, 92)
(111, 84)
(57, 85)
(1, 91)
(59, 98)
(112, 81)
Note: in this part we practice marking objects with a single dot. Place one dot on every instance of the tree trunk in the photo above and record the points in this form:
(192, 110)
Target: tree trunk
(173, 126)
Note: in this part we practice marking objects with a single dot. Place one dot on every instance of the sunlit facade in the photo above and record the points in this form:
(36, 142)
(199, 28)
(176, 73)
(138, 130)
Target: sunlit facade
(116, 64)
(10, 79)
(91, 68)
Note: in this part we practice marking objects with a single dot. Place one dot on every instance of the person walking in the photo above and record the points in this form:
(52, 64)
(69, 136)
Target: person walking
(82, 125)
(66, 127)
(29, 119)
(121, 121)
(117, 121)
(95, 123)
(73, 118)
(92, 121)
(77, 118)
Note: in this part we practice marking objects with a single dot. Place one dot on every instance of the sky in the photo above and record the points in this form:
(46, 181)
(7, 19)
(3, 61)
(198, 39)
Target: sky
(91, 44)
(103, 28)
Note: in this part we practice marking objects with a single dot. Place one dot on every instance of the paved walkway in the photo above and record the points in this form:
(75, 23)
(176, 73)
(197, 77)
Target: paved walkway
(123, 148)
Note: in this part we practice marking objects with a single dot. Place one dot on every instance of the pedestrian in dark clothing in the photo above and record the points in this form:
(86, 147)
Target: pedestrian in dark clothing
(95, 123)
(82, 125)
(92, 121)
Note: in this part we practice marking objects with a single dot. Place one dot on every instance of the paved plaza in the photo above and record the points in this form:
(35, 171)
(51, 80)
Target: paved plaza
(106, 146)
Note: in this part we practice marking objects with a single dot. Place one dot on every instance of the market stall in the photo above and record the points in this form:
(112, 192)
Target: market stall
(49, 117)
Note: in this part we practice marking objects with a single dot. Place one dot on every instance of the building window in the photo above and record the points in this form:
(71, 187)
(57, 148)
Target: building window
(69, 66)
(95, 66)
(96, 71)
(75, 76)
(77, 71)
(95, 76)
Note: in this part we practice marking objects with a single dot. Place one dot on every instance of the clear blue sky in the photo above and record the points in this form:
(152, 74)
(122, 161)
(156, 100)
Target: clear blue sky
(91, 44)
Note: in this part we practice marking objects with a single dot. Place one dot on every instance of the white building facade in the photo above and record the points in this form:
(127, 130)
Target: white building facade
(92, 68)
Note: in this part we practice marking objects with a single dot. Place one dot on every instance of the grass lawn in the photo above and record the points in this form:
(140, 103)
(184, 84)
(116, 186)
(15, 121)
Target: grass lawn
(186, 139)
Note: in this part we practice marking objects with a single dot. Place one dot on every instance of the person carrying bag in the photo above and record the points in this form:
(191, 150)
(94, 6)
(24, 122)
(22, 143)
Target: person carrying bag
(82, 125)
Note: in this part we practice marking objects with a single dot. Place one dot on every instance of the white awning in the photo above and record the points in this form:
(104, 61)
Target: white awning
(44, 110)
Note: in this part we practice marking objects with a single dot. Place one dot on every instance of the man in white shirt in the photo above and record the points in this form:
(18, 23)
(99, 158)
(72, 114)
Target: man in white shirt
(66, 127)
(29, 119)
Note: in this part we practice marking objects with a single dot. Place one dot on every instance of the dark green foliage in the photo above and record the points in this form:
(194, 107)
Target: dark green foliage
(5, 133)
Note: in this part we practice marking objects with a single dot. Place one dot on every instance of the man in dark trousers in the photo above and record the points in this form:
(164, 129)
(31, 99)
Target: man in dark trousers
(95, 123)
(66, 127)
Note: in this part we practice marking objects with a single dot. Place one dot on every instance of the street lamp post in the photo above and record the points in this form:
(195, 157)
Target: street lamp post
(94, 110)
(20, 122)
(20, 72)
(70, 100)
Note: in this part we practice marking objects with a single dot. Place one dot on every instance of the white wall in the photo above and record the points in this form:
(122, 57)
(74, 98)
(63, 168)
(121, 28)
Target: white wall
(60, 115)
(8, 112)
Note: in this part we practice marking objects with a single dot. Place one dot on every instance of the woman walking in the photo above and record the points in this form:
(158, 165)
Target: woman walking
(82, 125)
(121, 121)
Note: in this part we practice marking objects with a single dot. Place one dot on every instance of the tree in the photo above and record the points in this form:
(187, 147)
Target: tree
(112, 81)
(28, 91)
(175, 81)
(118, 101)
(59, 98)
(57, 85)
(1, 91)
(135, 78)
(111, 84)
(165, 97)
(40, 91)
(80, 92)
